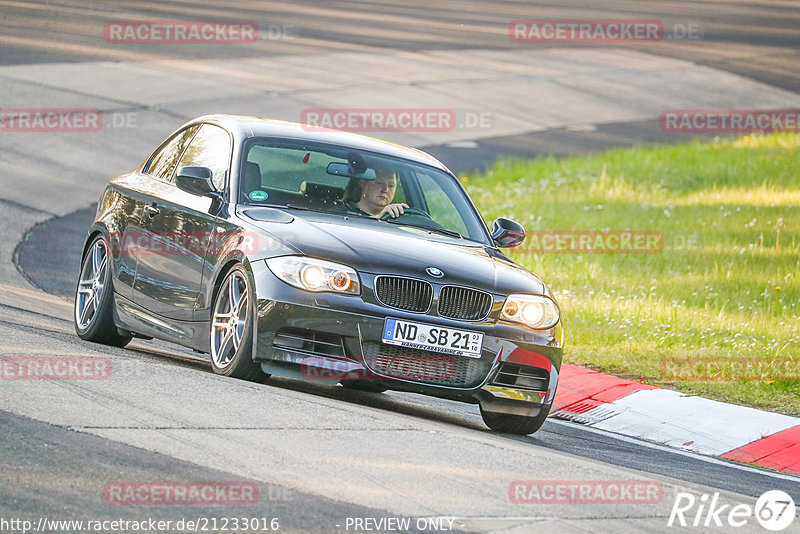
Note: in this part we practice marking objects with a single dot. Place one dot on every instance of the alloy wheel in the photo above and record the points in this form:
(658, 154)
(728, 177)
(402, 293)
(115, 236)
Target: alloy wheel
(91, 285)
(229, 320)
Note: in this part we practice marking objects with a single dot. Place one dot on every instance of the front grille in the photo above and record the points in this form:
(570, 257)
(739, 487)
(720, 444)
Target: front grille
(403, 293)
(310, 341)
(522, 377)
(423, 366)
(464, 303)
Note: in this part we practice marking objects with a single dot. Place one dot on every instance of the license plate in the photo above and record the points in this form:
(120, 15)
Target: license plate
(433, 338)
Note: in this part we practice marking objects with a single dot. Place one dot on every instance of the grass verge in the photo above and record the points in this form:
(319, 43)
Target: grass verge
(715, 311)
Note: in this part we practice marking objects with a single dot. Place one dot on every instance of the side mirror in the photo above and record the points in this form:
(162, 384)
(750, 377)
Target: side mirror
(507, 233)
(195, 180)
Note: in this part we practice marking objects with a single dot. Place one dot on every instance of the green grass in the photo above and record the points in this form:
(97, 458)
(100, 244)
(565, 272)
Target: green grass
(725, 285)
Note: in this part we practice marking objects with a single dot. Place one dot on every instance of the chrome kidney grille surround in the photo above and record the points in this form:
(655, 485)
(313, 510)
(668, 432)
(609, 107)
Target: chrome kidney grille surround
(411, 294)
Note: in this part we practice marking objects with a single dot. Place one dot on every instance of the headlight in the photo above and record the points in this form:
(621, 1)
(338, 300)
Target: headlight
(315, 275)
(534, 311)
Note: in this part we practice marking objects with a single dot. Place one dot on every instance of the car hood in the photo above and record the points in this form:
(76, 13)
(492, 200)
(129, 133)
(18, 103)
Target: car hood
(378, 247)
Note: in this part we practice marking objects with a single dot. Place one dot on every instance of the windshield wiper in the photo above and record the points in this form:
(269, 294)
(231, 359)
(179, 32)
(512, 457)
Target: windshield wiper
(303, 208)
(429, 228)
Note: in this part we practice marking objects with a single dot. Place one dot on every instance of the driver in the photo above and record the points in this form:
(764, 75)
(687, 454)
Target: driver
(373, 198)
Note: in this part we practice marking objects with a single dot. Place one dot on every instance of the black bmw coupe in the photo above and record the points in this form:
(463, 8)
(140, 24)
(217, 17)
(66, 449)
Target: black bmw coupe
(287, 249)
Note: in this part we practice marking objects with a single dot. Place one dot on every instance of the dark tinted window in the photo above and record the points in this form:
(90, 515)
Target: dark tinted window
(211, 148)
(163, 162)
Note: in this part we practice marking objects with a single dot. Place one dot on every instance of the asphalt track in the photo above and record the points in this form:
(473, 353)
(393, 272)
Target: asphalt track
(319, 454)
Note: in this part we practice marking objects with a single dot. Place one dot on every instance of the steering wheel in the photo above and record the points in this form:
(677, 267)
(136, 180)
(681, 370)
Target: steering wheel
(409, 211)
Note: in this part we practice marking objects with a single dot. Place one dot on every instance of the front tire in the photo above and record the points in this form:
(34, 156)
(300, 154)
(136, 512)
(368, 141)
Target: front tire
(94, 298)
(515, 424)
(231, 328)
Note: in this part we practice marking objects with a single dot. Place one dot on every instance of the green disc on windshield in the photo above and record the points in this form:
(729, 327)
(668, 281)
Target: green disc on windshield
(258, 195)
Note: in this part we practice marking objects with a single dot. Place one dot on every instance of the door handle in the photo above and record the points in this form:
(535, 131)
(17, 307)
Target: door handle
(152, 210)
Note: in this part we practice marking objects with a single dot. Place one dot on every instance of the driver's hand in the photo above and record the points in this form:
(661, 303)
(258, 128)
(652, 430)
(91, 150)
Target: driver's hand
(393, 210)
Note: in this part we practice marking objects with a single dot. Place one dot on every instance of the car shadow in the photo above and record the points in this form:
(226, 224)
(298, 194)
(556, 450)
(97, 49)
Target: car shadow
(388, 401)
(392, 401)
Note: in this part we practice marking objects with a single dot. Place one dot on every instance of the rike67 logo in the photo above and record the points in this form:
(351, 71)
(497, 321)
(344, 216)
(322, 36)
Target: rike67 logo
(774, 510)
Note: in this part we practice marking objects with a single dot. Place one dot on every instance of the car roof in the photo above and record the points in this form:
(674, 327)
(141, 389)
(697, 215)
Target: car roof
(245, 127)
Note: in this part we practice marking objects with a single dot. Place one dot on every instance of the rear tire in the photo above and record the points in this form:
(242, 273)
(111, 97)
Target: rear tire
(94, 298)
(515, 424)
(232, 330)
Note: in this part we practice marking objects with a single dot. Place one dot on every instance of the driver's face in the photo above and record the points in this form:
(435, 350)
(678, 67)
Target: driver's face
(380, 191)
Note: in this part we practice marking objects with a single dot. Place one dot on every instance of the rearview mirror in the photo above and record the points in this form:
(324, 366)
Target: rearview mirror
(195, 180)
(507, 233)
(343, 169)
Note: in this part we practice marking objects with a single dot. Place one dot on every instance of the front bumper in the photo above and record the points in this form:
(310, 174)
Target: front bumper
(330, 337)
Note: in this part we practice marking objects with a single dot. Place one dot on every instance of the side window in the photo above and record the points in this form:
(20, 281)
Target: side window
(163, 163)
(211, 148)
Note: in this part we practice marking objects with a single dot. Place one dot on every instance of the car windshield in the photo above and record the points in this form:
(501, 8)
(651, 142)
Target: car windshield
(333, 179)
